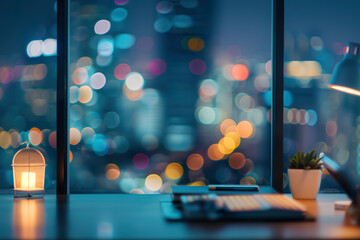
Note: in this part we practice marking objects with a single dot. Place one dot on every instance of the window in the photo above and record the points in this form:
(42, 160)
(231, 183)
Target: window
(28, 85)
(169, 92)
(161, 91)
(315, 117)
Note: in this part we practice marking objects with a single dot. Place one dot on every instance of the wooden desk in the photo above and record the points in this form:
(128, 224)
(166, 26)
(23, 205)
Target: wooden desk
(139, 217)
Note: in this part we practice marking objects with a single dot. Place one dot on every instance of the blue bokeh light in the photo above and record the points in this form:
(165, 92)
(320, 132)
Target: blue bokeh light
(125, 41)
(105, 47)
(119, 14)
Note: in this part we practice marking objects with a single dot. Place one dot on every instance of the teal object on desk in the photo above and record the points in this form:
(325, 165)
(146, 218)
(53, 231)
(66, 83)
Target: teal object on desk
(233, 188)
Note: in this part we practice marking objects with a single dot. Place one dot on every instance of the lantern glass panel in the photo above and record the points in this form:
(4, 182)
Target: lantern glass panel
(29, 170)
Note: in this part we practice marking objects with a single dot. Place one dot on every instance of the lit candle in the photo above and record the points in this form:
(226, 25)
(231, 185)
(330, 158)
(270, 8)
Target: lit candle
(28, 180)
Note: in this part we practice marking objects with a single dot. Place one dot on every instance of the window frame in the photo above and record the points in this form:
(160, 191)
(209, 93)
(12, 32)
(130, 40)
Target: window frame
(277, 86)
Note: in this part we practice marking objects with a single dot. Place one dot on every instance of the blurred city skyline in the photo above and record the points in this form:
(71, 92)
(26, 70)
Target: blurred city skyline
(164, 92)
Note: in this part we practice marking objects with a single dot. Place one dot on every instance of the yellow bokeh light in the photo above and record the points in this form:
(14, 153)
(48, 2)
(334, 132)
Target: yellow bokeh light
(84, 62)
(313, 68)
(229, 143)
(226, 145)
(153, 182)
(75, 136)
(195, 161)
(296, 69)
(87, 132)
(214, 153)
(85, 94)
(248, 181)
(5, 139)
(237, 160)
(174, 171)
(197, 183)
(112, 171)
(196, 44)
(304, 69)
(245, 129)
(228, 125)
(235, 137)
(35, 136)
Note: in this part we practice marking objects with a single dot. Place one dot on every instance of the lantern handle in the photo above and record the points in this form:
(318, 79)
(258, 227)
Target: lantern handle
(26, 142)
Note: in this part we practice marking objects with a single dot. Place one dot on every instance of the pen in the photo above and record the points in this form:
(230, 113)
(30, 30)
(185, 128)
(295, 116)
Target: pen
(234, 187)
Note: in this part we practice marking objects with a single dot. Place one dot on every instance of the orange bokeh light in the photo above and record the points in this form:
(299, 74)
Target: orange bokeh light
(71, 156)
(237, 160)
(85, 94)
(248, 181)
(35, 136)
(228, 125)
(214, 152)
(80, 76)
(75, 136)
(240, 72)
(112, 171)
(195, 161)
(197, 183)
(132, 95)
(174, 171)
(245, 129)
(196, 44)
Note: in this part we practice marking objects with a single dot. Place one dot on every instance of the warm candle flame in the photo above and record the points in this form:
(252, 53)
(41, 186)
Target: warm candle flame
(28, 180)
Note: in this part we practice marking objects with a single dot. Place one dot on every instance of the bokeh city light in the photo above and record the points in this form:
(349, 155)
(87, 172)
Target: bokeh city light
(159, 97)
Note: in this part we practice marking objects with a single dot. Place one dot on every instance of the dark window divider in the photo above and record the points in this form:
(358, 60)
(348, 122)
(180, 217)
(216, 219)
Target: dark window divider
(62, 123)
(277, 89)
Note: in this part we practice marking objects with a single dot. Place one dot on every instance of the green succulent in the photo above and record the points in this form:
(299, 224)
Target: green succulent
(305, 161)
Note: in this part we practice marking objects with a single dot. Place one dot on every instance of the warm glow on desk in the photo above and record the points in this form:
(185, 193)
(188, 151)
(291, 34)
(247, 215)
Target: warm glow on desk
(28, 219)
(28, 180)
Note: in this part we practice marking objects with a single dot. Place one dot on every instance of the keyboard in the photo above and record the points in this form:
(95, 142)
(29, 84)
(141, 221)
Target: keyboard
(246, 207)
(236, 203)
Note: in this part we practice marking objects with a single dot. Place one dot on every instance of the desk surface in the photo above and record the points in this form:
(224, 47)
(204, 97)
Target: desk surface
(139, 217)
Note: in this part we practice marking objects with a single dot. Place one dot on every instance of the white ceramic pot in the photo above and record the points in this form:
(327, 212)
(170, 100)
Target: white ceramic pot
(304, 184)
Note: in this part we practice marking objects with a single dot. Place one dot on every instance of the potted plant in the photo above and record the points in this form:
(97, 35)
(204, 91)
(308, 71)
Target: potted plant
(305, 175)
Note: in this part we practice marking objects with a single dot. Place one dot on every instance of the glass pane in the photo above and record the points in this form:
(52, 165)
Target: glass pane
(28, 89)
(316, 117)
(169, 92)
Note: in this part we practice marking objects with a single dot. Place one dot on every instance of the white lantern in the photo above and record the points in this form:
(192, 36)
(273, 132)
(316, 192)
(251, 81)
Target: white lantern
(29, 173)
